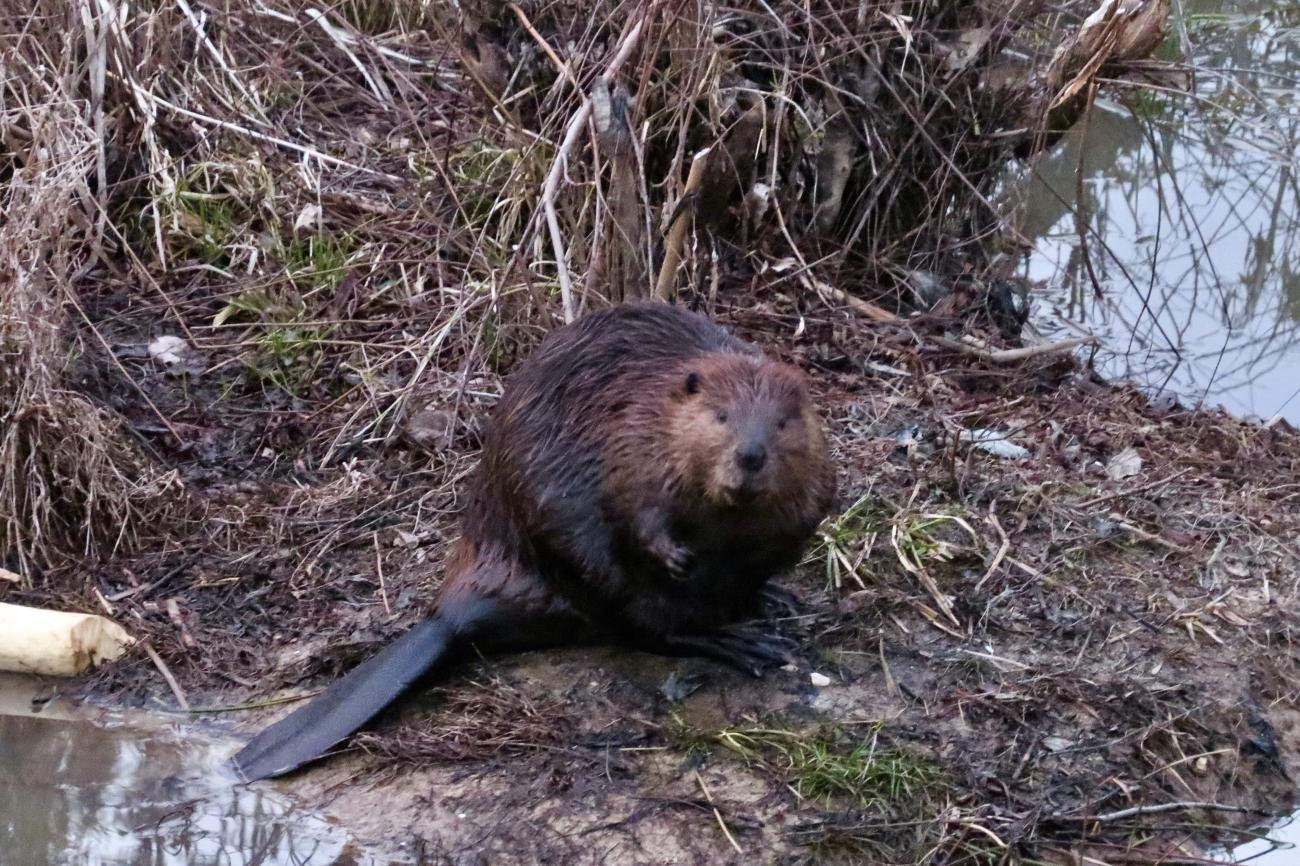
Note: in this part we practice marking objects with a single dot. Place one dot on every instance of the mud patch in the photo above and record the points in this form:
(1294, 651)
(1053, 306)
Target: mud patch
(1062, 644)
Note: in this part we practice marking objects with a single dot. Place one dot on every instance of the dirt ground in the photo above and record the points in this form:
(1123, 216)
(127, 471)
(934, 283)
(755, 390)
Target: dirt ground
(1051, 620)
(1018, 652)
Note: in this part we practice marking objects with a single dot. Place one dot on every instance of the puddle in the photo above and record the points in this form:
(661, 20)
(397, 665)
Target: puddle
(1280, 847)
(109, 789)
(1194, 210)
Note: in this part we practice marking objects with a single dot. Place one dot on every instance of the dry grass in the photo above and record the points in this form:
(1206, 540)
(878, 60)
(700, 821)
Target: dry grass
(71, 481)
(477, 722)
(361, 210)
(344, 215)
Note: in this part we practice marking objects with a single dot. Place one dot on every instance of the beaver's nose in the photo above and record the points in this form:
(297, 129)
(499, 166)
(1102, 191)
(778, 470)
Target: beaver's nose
(751, 457)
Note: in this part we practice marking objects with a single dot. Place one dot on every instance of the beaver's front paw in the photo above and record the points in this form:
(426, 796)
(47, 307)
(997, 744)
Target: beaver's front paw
(676, 558)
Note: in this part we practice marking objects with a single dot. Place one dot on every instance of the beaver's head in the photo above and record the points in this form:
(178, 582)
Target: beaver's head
(742, 428)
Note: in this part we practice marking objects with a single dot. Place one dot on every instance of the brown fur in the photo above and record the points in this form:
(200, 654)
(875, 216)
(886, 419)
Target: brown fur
(609, 483)
(643, 477)
(706, 429)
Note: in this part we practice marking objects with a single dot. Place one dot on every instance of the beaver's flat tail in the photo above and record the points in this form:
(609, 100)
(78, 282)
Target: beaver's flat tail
(307, 733)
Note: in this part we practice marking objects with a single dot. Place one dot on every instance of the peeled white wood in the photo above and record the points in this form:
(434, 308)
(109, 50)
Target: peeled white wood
(53, 643)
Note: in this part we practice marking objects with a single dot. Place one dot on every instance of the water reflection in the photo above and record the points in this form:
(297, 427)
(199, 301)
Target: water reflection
(1278, 847)
(76, 793)
(1193, 214)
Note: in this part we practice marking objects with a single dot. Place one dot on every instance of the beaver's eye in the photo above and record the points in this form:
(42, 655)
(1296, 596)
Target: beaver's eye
(780, 425)
(722, 417)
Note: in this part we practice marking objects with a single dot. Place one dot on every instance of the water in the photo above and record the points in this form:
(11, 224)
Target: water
(118, 791)
(1278, 848)
(1193, 209)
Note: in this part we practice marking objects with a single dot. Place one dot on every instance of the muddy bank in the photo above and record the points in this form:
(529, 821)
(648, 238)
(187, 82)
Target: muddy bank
(1112, 644)
(1097, 621)
(1050, 618)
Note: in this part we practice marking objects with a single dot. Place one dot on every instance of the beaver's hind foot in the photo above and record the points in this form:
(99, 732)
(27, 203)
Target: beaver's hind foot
(747, 646)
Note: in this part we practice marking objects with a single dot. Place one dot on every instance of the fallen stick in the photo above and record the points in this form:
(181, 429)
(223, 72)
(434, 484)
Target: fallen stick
(1003, 548)
(167, 675)
(254, 134)
(255, 705)
(1097, 500)
(56, 643)
(560, 65)
(552, 183)
(708, 798)
(677, 228)
(875, 312)
(341, 40)
(1141, 533)
(1154, 809)
(1010, 356)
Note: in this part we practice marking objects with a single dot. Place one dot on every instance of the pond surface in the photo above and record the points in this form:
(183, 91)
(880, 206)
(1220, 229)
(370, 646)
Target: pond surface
(1190, 213)
(1277, 848)
(104, 789)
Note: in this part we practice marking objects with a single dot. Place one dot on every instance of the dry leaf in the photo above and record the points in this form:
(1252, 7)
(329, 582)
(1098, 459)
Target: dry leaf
(167, 349)
(307, 217)
(1124, 464)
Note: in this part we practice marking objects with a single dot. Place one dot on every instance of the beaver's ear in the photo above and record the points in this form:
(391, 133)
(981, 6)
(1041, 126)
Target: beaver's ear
(692, 383)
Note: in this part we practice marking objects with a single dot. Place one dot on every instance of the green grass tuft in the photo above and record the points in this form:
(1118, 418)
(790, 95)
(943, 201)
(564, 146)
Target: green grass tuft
(837, 763)
(317, 263)
(289, 345)
(690, 739)
(207, 221)
(848, 539)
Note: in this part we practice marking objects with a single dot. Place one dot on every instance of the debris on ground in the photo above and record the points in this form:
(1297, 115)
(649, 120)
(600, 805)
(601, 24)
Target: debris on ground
(1051, 619)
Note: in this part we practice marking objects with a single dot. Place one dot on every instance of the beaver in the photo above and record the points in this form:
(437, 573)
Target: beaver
(643, 477)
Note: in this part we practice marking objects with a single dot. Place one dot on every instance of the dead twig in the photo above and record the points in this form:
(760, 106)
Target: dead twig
(1011, 356)
(254, 134)
(167, 675)
(560, 65)
(997, 557)
(552, 183)
(379, 567)
(677, 228)
(718, 815)
(1154, 809)
(874, 312)
(1123, 524)
(1159, 482)
(255, 705)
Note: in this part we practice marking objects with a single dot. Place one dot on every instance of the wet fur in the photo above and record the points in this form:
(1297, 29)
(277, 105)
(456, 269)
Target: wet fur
(599, 446)
(607, 506)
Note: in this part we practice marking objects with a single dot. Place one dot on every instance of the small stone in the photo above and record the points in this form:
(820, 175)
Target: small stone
(167, 350)
(307, 217)
(1124, 464)
(430, 428)
(402, 538)
(821, 681)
